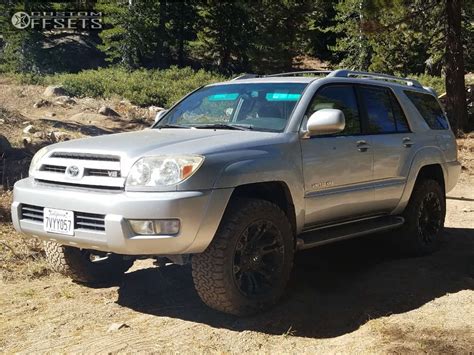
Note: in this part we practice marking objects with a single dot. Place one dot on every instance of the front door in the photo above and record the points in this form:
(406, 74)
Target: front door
(337, 169)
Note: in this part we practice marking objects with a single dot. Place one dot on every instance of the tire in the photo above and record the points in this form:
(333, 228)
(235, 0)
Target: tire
(247, 266)
(424, 219)
(78, 265)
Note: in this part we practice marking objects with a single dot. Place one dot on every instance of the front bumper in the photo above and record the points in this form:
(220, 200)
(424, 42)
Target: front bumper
(200, 213)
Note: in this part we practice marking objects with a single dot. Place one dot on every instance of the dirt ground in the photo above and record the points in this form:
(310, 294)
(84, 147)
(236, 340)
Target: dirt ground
(357, 296)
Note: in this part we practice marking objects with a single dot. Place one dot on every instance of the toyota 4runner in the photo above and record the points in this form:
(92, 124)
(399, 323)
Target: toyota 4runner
(237, 176)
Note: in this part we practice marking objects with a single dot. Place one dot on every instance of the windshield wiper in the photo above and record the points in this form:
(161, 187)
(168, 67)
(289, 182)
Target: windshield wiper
(224, 126)
(171, 126)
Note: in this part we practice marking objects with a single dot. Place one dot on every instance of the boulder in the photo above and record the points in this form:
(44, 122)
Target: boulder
(153, 110)
(64, 101)
(41, 103)
(29, 129)
(54, 90)
(58, 136)
(108, 111)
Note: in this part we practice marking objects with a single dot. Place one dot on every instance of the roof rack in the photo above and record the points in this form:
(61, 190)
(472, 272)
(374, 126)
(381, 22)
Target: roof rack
(343, 73)
(246, 76)
(295, 73)
(340, 73)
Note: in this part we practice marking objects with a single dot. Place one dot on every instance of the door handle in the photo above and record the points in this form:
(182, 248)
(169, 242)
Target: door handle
(407, 142)
(362, 145)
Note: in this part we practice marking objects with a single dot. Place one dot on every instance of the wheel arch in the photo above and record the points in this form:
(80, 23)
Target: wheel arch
(276, 192)
(427, 163)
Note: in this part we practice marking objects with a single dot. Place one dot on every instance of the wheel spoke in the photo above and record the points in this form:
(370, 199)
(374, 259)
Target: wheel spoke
(258, 258)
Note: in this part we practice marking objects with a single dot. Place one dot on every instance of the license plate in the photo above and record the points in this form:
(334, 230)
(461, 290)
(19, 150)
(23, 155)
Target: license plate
(58, 221)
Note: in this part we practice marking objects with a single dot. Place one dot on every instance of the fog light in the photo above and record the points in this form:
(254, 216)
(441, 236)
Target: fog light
(167, 226)
(158, 226)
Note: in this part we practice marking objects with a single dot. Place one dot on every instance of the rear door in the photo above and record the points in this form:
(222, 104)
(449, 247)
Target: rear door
(392, 143)
(337, 168)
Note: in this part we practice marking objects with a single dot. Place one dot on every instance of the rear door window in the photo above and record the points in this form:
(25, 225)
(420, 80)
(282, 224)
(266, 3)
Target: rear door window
(429, 109)
(378, 106)
(400, 118)
(382, 111)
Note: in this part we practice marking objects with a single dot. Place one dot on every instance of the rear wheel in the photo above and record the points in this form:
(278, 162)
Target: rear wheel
(424, 219)
(86, 266)
(247, 265)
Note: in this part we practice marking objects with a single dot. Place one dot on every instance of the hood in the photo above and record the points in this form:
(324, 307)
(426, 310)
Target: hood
(133, 145)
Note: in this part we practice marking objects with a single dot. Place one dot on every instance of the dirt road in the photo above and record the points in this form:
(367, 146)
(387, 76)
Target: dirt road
(356, 296)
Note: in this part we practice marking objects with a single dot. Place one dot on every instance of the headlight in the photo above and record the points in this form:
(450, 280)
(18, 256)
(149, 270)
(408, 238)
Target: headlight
(163, 170)
(34, 162)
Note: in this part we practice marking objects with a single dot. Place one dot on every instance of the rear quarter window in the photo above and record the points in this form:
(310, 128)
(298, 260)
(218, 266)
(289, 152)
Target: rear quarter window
(429, 109)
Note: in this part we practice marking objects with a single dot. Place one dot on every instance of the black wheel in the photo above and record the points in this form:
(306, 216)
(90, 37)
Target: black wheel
(86, 266)
(424, 219)
(247, 265)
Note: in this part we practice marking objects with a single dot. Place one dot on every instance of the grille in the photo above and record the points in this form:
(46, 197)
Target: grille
(96, 170)
(87, 172)
(85, 156)
(102, 172)
(87, 221)
(54, 168)
(33, 213)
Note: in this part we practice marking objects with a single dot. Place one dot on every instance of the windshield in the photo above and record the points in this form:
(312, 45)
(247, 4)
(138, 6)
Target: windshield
(261, 107)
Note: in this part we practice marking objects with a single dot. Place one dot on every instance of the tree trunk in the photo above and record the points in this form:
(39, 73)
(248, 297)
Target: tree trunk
(455, 88)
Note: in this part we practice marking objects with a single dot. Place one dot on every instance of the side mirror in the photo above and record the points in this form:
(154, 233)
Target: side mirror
(325, 121)
(159, 115)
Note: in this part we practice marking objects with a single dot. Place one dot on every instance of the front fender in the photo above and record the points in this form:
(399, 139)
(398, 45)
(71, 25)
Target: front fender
(269, 166)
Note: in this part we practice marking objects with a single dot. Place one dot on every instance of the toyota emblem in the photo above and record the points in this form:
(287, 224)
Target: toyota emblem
(73, 171)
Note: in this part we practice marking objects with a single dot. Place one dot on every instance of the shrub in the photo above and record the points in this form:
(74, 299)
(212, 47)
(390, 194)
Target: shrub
(141, 87)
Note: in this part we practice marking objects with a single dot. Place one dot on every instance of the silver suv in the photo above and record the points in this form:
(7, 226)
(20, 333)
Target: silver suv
(237, 176)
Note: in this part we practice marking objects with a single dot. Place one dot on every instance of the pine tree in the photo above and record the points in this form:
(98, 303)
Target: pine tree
(223, 34)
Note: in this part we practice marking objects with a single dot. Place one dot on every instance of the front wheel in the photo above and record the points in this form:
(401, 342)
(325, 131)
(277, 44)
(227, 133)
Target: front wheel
(85, 266)
(247, 266)
(424, 219)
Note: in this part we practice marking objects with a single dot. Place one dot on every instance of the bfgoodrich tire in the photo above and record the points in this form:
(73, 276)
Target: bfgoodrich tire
(424, 219)
(247, 266)
(85, 266)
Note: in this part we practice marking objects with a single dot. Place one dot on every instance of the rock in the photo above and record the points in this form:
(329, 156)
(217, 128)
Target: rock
(2, 121)
(38, 135)
(29, 129)
(154, 110)
(41, 103)
(63, 101)
(107, 111)
(117, 326)
(26, 141)
(58, 136)
(50, 114)
(54, 90)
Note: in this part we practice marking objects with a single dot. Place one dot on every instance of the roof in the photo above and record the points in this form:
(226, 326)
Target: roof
(269, 79)
(306, 77)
